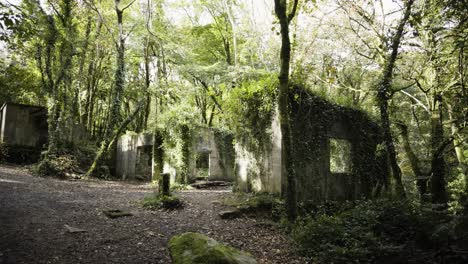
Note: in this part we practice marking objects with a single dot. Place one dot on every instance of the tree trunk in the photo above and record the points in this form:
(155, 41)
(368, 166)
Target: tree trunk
(421, 179)
(284, 108)
(119, 78)
(186, 142)
(383, 96)
(108, 142)
(157, 155)
(147, 85)
(439, 193)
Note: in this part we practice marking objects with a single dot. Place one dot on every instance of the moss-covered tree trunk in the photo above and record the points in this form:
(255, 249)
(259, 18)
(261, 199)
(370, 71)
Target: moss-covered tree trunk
(115, 125)
(281, 10)
(55, 63)
(186, 144)
(421, 179)
(439, 193)
(157, 155)
(119, 77)
(383, 96)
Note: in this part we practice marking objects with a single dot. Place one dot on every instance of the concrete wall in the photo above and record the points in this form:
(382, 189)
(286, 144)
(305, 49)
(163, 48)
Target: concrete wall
(314, 123)
(130, 158)
(260, 171)
(134, 150)
(23, 125)
(221, 154)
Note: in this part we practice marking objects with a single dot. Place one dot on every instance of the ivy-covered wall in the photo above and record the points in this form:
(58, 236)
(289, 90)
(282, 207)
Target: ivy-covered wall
(314, 123)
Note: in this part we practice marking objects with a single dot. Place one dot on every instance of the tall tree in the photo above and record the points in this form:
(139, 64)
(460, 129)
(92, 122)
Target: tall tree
(115, 126)
(384, 92)
(285, 13)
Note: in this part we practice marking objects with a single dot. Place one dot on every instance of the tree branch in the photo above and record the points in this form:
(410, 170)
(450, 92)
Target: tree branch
(293, 11)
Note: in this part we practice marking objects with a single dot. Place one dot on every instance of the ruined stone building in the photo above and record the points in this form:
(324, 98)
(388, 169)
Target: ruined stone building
(334, 153)
(211, 157)
(23, 125)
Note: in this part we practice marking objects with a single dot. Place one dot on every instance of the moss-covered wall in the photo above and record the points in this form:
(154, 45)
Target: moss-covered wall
(314, 122)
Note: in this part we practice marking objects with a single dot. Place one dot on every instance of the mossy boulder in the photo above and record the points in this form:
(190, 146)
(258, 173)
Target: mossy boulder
(194, 248)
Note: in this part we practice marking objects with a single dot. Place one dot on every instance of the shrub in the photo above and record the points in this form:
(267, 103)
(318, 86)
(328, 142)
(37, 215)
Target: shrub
(369, 232)
(56, 166)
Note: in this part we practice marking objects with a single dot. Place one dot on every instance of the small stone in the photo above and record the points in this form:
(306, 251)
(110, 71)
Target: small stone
(230, 214)
(71, 229)
(116, 213)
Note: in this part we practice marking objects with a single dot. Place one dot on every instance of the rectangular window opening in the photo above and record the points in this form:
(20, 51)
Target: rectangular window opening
(340, 156)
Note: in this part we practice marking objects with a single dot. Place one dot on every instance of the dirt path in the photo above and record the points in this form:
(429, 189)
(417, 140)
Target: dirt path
(34, 212)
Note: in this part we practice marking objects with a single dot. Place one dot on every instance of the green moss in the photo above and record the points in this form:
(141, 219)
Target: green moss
(162, 202)
(194, 248)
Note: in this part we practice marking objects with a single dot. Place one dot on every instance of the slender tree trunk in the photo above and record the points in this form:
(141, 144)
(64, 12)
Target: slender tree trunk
(82, 79)
(227, 4)
(157, 155)
(92, 79)
(147, 85)
(186, 143)
(421, 179)
(281, 11)
(439, 193)
(383, 96)
(119, 78)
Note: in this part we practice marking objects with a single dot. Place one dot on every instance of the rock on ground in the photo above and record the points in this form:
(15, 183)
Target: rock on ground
(193, 248)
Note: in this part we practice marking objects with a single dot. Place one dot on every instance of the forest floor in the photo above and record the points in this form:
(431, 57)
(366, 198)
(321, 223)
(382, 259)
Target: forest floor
(34, 212)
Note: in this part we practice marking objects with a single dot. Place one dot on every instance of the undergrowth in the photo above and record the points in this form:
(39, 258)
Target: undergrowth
(380, 231)
(69, 158)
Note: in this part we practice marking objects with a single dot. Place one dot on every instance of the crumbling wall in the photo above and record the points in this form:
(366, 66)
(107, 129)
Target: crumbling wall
(23, 125)
(131, 157)
(315, 122)
(218, 146)
(259, 168)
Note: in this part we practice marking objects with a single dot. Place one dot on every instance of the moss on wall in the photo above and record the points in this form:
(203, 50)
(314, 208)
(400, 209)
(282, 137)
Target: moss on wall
(314, 122)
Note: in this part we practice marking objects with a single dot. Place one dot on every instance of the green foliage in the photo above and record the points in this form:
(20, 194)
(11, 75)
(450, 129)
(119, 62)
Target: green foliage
(155, 202)
(250, 109)
(69, 158)
(20, 84)
(56, 166)
(370, 231)
(180, 187)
